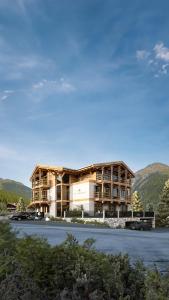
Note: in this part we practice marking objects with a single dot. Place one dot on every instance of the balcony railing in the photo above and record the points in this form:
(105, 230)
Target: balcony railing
(42, 197)
(41, 182)
(102, 195)
(107, 177)
(107, 195)
(98, 176)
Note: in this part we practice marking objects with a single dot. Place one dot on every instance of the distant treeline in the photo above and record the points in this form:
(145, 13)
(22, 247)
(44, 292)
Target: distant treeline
(10, 197)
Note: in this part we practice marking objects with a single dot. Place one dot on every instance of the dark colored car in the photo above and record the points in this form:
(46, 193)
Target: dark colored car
(20, 216)
(27, 216)
(138, 225)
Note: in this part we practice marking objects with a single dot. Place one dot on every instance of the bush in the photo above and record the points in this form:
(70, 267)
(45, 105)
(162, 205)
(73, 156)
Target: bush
(96, 223)
(76, 220)
(161, 222)
(57, 219)
(74, 213)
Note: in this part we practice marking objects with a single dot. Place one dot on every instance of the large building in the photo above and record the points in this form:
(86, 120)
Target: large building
(93, 188)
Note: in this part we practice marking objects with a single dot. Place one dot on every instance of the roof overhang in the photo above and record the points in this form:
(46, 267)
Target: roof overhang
(59, 169)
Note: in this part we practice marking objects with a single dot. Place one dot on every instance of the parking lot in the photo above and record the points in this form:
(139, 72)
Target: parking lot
(150, 246)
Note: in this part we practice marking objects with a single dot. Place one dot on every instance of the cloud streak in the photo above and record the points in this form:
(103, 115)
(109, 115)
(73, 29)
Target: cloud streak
(5, 94)
(45, 88)
(60, 86)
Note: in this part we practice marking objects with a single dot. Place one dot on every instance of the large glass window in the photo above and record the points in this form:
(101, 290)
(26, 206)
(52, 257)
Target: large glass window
(65, 178)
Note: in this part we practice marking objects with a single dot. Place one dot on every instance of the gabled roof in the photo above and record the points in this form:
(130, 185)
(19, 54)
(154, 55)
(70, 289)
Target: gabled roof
(52, 168)
(78, 171)
(95, 166)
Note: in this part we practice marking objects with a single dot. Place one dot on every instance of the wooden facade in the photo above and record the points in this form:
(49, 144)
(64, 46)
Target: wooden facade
(111, 187)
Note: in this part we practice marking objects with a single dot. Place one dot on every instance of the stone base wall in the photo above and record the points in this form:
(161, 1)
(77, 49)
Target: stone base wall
(112, 222)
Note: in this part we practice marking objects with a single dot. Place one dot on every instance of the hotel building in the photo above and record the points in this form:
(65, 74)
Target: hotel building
(98, 187)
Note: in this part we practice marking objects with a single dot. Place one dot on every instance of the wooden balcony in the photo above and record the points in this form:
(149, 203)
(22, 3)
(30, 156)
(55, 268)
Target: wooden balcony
(43, 182)
(40, 197)
(104, 177)
(107, 196)
(99, 195)
(107, 177)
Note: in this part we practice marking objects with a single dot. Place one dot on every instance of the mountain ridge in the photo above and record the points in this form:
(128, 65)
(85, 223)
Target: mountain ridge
(16, 187)
(149, 182)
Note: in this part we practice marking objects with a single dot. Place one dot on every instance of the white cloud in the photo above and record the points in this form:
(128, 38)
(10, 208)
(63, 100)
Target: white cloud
(164, 68)
(161, 52)
(4, 97)
(142, 54)
(5, 94)
(157, 59)
(52, 86)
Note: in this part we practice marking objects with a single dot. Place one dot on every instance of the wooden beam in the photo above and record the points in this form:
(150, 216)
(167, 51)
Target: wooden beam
(119, 173)
(102, 182)
(111, 186)
(125, 184)
(61, 209)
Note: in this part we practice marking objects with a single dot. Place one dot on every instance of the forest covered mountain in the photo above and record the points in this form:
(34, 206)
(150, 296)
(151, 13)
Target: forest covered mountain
(149, 183)
(10, 189)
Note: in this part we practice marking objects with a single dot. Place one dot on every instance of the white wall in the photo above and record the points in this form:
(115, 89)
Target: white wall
(52, 209)
(82, 194)
(51, 194)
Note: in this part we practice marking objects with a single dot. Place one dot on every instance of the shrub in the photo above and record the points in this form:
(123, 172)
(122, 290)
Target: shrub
(58, 219)
(96, 223)
(76, 220)
(74, 213)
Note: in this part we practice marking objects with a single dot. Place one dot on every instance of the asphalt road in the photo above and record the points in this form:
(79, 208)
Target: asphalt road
(150, 246)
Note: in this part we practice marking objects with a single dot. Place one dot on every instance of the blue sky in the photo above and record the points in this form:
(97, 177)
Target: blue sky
(83, 81)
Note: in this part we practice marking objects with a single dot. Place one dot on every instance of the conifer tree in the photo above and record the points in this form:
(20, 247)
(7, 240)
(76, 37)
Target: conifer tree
(163, 208)
(3, 207)
(21, 205)
(136, 202)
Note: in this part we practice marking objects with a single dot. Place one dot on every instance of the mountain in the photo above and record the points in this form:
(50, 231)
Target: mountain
(149, 182)
(15, 187)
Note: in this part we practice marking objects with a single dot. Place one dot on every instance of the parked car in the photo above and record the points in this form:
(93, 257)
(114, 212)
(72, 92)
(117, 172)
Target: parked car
(35, 216)
(27, 216)
(19, 216)
(138, 225)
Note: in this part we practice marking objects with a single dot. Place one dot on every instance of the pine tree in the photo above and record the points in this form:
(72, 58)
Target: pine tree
(21, 205)
(3, 207)
(136, 202)
(163, 208)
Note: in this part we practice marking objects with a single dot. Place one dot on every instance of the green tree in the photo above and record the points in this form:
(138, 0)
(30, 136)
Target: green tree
(3, 207)
(136, 202)
(164, 202)
(21, 205)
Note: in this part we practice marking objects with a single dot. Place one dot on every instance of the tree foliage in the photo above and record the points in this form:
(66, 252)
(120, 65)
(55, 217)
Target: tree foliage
(3, 207)
(21, 205)
(149, 182)
(136, 202)
(15, 187)
(163, 209)
(32, 269)
(10, 197)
